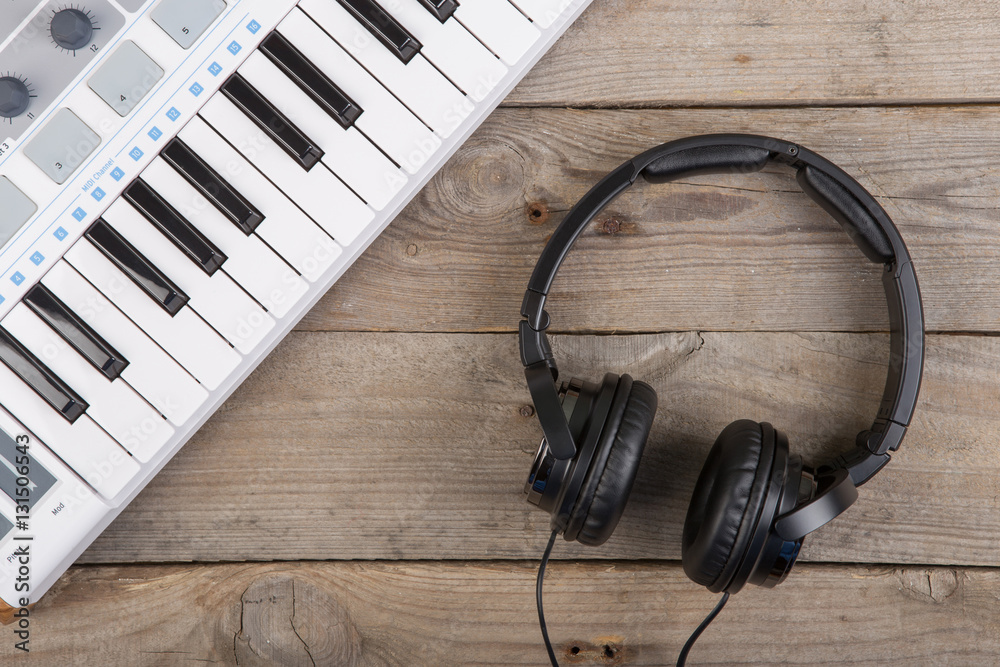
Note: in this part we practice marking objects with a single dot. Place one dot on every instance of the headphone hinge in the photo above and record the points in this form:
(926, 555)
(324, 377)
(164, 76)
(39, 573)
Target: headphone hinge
(884, 436)
(860, 464)
(533, 309)
(535, 348)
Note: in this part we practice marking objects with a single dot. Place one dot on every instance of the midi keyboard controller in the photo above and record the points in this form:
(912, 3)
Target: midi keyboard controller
(180, 181)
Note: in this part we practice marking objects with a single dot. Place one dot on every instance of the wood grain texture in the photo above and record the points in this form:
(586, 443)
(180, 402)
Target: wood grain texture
(734, 252)
(415, 613)
(375, 446)
(414, 446)
(770, 52)
(6, 613)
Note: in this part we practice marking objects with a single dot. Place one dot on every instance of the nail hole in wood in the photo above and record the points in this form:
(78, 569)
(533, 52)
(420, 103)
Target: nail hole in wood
(537, 212)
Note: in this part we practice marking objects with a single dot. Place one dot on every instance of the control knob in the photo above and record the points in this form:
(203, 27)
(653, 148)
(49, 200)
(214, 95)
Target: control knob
(14, 97)
(71, 29)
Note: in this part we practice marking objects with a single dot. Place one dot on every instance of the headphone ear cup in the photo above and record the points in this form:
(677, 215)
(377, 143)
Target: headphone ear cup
(605, 491)
(726, 504)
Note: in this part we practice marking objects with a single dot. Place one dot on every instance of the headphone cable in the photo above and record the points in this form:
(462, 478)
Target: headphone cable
(682, 658)
(538, 598)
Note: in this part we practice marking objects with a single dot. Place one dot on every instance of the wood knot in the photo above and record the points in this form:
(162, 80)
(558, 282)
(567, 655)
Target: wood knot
(933, 585)
(289, 621)
(615, 225)
(537, 212)
(412, 249)
(487, 178)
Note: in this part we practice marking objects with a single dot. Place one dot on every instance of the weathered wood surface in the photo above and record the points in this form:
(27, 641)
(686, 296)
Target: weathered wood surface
(771, 52)
(375, 446)
(415, 614)
(734, 252)
(412, 445)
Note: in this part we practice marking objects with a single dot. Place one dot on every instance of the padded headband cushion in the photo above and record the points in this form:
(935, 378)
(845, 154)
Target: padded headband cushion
(706, 160)
(822, 188)
(725, 504)
(859, 224)
(615, 483)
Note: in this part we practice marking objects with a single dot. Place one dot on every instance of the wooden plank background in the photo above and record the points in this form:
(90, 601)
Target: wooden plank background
(357, 501)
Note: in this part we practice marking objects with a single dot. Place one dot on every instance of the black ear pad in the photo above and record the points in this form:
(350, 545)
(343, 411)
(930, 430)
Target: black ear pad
(609, 481)
(726, 503)
(575, 470)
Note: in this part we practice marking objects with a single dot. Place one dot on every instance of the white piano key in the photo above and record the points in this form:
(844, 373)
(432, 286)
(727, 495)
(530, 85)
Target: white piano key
(544, 12)
(451, 48)
(185, 336)
(327, 201)
(285, 228)
(390, 125)
(82, 445)
(218, 300)
(250, 263)
(113, 405)
(347, 152)
(417, 84)
(151, 372)
(499, 26)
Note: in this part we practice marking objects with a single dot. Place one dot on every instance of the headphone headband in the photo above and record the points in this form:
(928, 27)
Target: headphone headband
(834, 190)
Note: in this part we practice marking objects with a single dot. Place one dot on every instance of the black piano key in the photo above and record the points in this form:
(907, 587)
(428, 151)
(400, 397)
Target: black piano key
(131, 262)
(384, 28)
(310, 79)
(213, 187)
(441, 9)
(175, 226)
(37, 375)
(75, 331)
(302, 149)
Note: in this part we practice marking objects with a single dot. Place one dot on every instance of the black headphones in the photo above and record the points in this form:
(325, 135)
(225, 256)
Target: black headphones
(754, 502)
